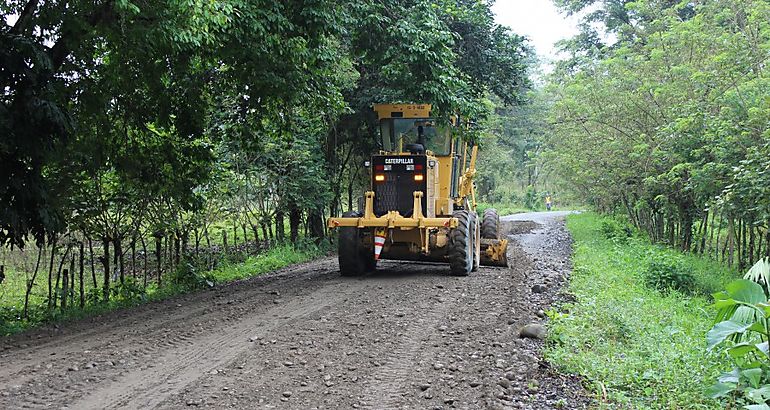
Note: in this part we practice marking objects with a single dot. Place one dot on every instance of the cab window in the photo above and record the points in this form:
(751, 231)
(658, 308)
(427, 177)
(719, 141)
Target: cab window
(415, 131)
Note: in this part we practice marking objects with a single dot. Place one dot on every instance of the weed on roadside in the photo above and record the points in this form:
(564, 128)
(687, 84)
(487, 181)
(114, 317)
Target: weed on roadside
(189, 276)
(639, 347)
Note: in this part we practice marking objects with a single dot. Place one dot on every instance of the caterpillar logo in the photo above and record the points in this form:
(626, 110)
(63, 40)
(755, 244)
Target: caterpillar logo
(399, 161)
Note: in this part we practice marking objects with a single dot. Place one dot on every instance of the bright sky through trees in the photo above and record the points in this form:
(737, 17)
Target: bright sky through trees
(537, 19)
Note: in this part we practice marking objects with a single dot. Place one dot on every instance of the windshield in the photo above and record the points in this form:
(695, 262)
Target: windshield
(415, 131)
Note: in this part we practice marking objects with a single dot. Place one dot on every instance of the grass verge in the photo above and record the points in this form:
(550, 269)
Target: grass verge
(638, 347)
(503, 209)
(186, 278)
(276, 258)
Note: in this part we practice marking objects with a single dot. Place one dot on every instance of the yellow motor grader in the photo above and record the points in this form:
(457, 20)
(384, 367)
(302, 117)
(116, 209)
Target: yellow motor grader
(422, 204)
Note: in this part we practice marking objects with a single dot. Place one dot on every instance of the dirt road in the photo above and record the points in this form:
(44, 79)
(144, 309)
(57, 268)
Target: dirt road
(408, 336)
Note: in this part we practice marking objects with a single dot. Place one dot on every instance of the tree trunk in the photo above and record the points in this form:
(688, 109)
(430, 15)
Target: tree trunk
(71, 292)
(185, 243)
(703, 231)
(718, 242)
(279, 227)
(209, 251)
(50, 272)
(31, 282)
(767, 241)
(710, 243)
(731, 241)
(197, 236)
(65, 287)
(159, 258)
(177, 248)
(93, 261)
(62, 289)
(295, 218)
(315, 224)
(144, 261)
(106, 264)
(119, 259)
(81, 266)
(751, 244)
(686, 230)
(133, 257)
(255, 231)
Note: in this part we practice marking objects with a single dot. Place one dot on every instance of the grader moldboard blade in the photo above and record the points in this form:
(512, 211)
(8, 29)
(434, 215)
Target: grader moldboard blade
(494, 252)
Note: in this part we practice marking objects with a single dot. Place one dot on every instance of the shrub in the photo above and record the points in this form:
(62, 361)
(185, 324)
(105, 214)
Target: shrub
(130, 290)
(664, 273)
(531, 198)
(613, 229)
(188, 276)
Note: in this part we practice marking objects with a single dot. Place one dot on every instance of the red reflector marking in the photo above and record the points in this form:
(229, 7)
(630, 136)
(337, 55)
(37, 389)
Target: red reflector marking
(418, 167)
(379, 167)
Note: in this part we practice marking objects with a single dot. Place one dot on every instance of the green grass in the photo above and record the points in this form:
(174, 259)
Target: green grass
(176, 283)
(503, 209)
(275, 258)
(646, 349)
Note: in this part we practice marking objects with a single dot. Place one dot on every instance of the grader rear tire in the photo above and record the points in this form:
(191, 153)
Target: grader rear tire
(461, 246)
(490, 226)
(353, 256)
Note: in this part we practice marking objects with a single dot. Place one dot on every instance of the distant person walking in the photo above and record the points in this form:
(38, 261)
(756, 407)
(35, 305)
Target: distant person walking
(548, 202)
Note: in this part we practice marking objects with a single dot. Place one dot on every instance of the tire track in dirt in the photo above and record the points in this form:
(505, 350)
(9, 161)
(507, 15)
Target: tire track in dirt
(113, 323)
(117, 344)
(177, 368)
(387, 385)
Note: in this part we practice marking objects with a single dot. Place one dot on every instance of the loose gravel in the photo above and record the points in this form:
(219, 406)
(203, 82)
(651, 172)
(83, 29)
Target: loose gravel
(407, 336)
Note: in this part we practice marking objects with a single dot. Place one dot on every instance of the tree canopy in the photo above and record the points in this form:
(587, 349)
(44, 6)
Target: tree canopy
(669, 124)
(110, 109)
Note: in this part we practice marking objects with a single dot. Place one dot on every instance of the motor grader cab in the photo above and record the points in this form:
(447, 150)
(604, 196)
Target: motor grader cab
(421, 205)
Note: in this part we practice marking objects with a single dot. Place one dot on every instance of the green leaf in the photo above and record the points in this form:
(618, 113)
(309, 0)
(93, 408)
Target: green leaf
(753, 376)
(760, 272)
(742, 349)
(730, 377)
(764, 348)
(743, 290)
(757, 407)
(720, 390)
(722, 330)
(759, 395)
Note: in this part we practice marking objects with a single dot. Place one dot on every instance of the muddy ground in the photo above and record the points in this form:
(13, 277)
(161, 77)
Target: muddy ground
(407, 336)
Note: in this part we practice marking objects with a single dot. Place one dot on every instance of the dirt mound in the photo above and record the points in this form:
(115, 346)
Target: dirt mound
(519, 227)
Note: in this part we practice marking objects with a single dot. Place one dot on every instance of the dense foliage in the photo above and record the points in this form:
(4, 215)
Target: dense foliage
(661, 113)
(147, 132)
